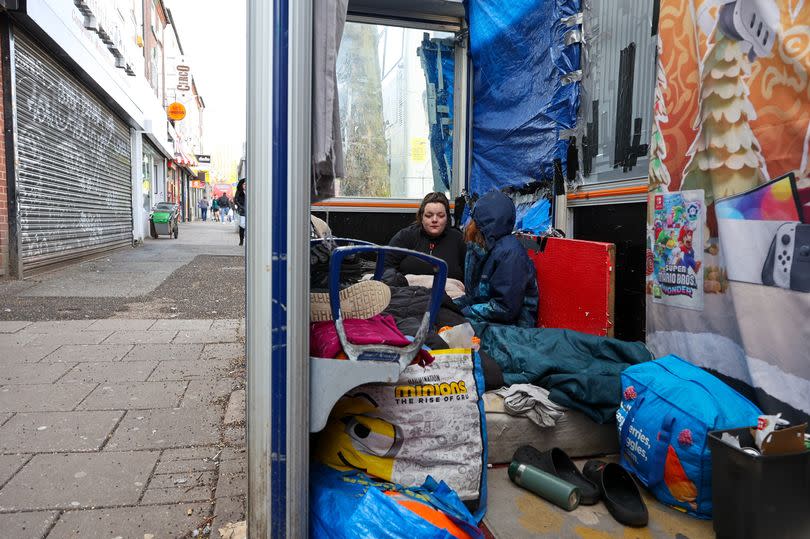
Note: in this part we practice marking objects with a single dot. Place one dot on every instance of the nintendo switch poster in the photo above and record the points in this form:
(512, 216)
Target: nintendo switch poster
(677, 254)
(731, 119)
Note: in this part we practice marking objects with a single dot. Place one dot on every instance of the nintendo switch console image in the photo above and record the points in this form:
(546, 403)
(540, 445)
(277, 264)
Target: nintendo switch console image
(788, 262)
(748, 223)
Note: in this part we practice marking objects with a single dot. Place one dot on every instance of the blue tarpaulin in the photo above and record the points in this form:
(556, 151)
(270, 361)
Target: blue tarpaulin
(520, 103)
(438, 63)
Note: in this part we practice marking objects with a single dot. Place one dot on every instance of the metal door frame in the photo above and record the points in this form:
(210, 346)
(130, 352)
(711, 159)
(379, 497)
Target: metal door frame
(277, 325)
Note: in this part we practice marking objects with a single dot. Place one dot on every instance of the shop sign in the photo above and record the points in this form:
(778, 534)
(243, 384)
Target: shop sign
(197, 184)
(176, 111)
(183, 78)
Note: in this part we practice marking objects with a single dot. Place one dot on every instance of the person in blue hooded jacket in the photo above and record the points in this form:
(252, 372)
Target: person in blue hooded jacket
(499, 278)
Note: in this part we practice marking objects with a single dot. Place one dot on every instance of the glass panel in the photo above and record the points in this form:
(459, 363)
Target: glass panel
(617, 90)
(384, 116)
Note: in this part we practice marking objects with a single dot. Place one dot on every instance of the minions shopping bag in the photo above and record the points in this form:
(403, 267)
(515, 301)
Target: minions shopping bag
(429, 423)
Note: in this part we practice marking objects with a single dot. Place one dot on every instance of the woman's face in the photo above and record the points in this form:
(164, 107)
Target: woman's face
(434, 218)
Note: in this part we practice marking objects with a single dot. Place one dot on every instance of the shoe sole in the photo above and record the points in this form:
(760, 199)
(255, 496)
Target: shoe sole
(361, 300)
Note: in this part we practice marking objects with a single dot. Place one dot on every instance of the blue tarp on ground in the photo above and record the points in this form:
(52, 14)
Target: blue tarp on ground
(438, 63)
(519, 102)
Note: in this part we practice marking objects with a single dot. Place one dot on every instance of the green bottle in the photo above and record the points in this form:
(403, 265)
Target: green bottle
(550, 487)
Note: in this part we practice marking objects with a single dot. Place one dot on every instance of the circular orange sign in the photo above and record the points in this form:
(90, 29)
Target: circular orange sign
(176, 111)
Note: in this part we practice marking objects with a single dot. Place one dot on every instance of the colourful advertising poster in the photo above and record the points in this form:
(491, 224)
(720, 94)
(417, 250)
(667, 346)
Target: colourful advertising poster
(677, 230)
(732, 119)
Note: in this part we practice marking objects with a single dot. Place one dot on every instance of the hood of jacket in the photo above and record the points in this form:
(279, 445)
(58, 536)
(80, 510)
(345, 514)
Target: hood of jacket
(494, 213)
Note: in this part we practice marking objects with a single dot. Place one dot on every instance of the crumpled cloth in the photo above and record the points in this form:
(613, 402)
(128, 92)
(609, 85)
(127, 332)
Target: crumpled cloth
(379, 329)
(532, 402)
(452, 287)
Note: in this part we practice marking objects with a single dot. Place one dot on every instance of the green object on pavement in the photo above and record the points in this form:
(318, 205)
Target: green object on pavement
(161, 216)
(549, 487)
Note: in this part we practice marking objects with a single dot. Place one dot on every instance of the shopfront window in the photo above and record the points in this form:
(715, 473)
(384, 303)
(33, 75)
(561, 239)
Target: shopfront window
(148, 180)
(386, 111)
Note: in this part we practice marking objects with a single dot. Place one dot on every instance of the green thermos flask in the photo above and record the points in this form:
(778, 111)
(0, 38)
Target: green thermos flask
(547, 486)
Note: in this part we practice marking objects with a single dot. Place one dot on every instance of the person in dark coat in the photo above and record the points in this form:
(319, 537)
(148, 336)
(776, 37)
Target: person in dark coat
(240, 207)
(499, 278)
(433, 235)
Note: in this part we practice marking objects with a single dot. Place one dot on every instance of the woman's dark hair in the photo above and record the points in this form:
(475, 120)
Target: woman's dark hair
(433, 198)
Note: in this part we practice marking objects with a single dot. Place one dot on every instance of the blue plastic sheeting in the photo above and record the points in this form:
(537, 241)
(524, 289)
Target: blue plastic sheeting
(438, 63)
(345, 505)
(520, 105)
(535, 217)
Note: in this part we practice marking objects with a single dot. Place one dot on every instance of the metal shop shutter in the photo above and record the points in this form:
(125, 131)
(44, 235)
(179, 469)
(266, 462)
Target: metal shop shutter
(73, 174)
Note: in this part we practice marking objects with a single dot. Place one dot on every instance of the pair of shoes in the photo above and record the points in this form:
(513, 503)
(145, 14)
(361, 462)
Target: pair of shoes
(362, 300)
(619, 492)
(607, 481)
(556, 462)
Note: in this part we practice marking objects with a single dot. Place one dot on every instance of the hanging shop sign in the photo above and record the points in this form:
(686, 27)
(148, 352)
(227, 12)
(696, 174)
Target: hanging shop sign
(176, 111)
(197, 184)
(183, 78)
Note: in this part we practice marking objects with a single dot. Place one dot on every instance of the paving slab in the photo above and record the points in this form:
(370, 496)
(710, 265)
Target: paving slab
(183, 480)
(70, 480)
(78, 337)
(132, 522)
(206, 337)
(9, 464)
(208, 392)
(141, 337)
(59, 326)
(235, 412)
(223, 351)
(24, 353)
(121, 324)
(175, 324)
(43, 397)
(228, 509)
(179, 427)
(164, 352)
(190, 370)
(181, 461)
(178, 494)
(16, 339)
(231, 484)
(88, 352)
(31, 525)
(12, 326)
(134, 395)
(106, 371)
(32, 373)
(234, 436)
(228, 323)
(57, 431)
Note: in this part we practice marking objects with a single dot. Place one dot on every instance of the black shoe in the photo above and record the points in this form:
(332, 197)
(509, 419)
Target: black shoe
(556, 462)
(619, 492)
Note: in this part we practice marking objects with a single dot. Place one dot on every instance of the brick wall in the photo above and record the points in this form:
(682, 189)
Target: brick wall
(3, 184)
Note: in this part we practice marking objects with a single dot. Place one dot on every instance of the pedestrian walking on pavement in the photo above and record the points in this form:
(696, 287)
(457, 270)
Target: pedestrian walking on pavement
(240, 207)
(225, 207)
(203, 205)
(215, 209)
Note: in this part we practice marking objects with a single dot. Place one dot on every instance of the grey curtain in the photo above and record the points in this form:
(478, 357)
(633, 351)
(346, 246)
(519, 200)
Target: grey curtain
(327, 149)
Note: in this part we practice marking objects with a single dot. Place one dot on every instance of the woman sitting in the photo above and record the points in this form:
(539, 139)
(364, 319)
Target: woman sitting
(499, 278)
(431, 234)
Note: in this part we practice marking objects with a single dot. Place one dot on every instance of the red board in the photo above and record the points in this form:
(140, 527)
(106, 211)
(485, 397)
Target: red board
(576, 283)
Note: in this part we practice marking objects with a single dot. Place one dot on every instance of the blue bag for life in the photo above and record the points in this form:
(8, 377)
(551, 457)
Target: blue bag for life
(668, 408)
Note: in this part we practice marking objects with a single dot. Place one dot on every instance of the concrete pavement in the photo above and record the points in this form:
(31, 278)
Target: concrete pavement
(198, 275)
(121, 428)
(122, 393)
